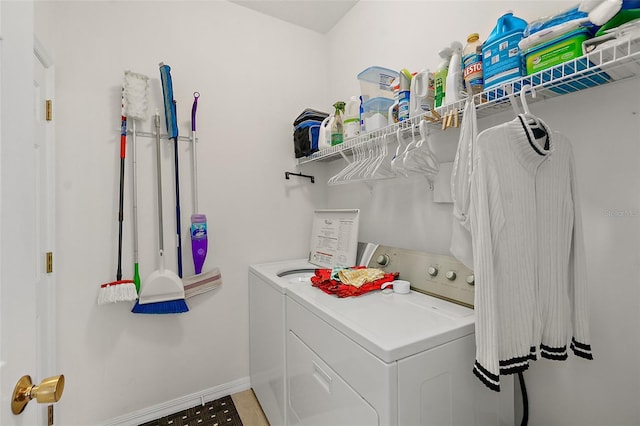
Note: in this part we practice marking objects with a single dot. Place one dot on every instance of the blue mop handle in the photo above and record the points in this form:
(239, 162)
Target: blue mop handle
(171, 122)
(170, 117)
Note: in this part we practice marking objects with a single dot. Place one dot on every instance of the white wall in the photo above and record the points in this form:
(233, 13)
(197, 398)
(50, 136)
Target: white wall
(604, 125)
(117, 363)
(255, 75)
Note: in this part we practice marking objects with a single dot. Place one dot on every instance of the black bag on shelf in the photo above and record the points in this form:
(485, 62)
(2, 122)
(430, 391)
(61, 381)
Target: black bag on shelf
(306, 129)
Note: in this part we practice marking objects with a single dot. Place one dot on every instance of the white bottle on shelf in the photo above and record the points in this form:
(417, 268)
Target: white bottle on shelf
(352, 118)
(454, 75)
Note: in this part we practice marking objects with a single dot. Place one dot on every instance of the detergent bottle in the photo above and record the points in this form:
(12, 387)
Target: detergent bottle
(454, 84)
(501, 56)
(324, 136)
(337, 127)
(440, 76)
(404, 95)
(352, 118)
(421, 92)
(472, 63)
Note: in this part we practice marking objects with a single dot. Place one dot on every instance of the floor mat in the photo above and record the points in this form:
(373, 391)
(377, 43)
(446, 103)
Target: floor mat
(221, 412)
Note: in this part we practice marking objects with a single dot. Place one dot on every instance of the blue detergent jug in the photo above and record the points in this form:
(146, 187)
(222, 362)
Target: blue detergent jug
(501, 56)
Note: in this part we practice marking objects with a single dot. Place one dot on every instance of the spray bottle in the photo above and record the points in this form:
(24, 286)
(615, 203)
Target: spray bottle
(337, 127)
(440, 76)
(199, 240)
(454, 83)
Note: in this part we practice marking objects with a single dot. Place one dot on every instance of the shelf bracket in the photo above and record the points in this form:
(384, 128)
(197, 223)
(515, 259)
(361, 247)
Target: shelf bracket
(287, 174)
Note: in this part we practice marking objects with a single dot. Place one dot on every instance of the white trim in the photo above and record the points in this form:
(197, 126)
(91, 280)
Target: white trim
(41, 53)
(180, 404)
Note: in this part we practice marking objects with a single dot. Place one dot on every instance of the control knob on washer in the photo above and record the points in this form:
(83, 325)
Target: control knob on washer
(471, 279)
(382, 260)
(432, 270)
(451, 275)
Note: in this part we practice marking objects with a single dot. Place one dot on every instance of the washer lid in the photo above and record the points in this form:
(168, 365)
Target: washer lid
(391, 326)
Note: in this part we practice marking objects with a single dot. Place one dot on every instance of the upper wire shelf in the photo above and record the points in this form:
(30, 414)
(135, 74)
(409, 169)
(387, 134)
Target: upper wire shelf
(607, 64)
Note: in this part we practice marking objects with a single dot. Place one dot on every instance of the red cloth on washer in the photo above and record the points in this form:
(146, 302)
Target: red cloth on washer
(322, 280)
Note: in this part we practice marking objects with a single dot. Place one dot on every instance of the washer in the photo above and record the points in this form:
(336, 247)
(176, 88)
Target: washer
(381, 358)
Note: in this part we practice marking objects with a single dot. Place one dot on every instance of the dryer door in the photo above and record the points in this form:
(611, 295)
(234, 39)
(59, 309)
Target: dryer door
(266, 341)
(437, 388)
(317, 395)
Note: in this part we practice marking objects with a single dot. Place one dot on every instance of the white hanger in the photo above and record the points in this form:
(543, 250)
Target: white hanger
(382, 168)
(534, 126)
(421, 158)
(523, 97)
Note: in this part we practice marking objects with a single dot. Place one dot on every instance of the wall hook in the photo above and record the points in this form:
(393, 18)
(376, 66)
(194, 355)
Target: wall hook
(287, 174)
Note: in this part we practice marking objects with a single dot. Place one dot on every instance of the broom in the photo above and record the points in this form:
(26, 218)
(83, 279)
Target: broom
(119, 290)
(162, 292)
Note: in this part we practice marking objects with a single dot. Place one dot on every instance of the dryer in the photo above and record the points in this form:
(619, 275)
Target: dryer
(377, 359)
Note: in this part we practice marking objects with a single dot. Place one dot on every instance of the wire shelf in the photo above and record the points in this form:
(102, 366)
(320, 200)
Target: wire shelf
(616, 60)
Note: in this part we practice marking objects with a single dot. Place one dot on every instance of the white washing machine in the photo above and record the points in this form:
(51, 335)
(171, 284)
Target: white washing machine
(377, 359)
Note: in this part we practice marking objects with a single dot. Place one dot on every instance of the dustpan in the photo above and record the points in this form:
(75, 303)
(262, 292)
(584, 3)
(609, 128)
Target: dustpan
(162, 292)
(161, 286)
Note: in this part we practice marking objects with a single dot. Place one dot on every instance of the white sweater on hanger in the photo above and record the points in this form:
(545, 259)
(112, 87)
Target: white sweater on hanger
(529, 263)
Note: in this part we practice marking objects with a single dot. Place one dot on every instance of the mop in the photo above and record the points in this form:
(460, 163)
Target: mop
(200, 282)
(120, 290)
(162, 292)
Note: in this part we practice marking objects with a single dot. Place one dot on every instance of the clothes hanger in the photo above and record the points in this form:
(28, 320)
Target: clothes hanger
(396, 161)
(523, 97)
(533, 125)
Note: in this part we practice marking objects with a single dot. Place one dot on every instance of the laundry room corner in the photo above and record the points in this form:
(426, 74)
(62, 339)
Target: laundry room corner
(603, 124)
(253, 75)
(248, 69)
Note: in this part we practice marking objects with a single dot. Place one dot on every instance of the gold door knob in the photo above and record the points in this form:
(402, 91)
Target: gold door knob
(48, 391)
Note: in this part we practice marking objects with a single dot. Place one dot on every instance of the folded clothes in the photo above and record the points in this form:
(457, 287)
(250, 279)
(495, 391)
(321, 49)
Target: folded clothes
(357, 277)
(324, 281)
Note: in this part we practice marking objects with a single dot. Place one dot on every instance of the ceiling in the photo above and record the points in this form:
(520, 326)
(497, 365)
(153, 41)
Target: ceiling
(316, 15)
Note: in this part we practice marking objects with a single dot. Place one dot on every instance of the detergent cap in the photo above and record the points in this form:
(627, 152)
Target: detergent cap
(473, 37)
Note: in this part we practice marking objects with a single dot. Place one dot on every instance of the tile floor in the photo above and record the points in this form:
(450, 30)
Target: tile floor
(249, 409)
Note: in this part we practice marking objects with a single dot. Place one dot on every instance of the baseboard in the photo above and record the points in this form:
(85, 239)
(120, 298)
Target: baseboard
(179, 404)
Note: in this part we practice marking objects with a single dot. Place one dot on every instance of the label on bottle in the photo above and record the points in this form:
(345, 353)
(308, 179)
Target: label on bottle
(351, 127)
(403, 105)
(336, 138)
(199, 230)
(473, 71)
(439, 89)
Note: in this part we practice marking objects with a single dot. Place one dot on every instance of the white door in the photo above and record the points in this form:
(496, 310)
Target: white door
(27, 314)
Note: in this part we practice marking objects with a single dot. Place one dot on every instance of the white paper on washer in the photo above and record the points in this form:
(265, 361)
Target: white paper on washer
(334, 238)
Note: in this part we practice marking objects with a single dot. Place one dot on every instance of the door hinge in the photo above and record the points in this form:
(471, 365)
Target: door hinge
(50, 415)
(49, 262)
(48, 114)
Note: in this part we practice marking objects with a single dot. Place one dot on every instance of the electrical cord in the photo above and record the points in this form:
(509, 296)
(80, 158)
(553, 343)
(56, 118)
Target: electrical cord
(525, 400)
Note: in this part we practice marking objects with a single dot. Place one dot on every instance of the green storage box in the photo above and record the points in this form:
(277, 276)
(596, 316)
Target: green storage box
(554, 52)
